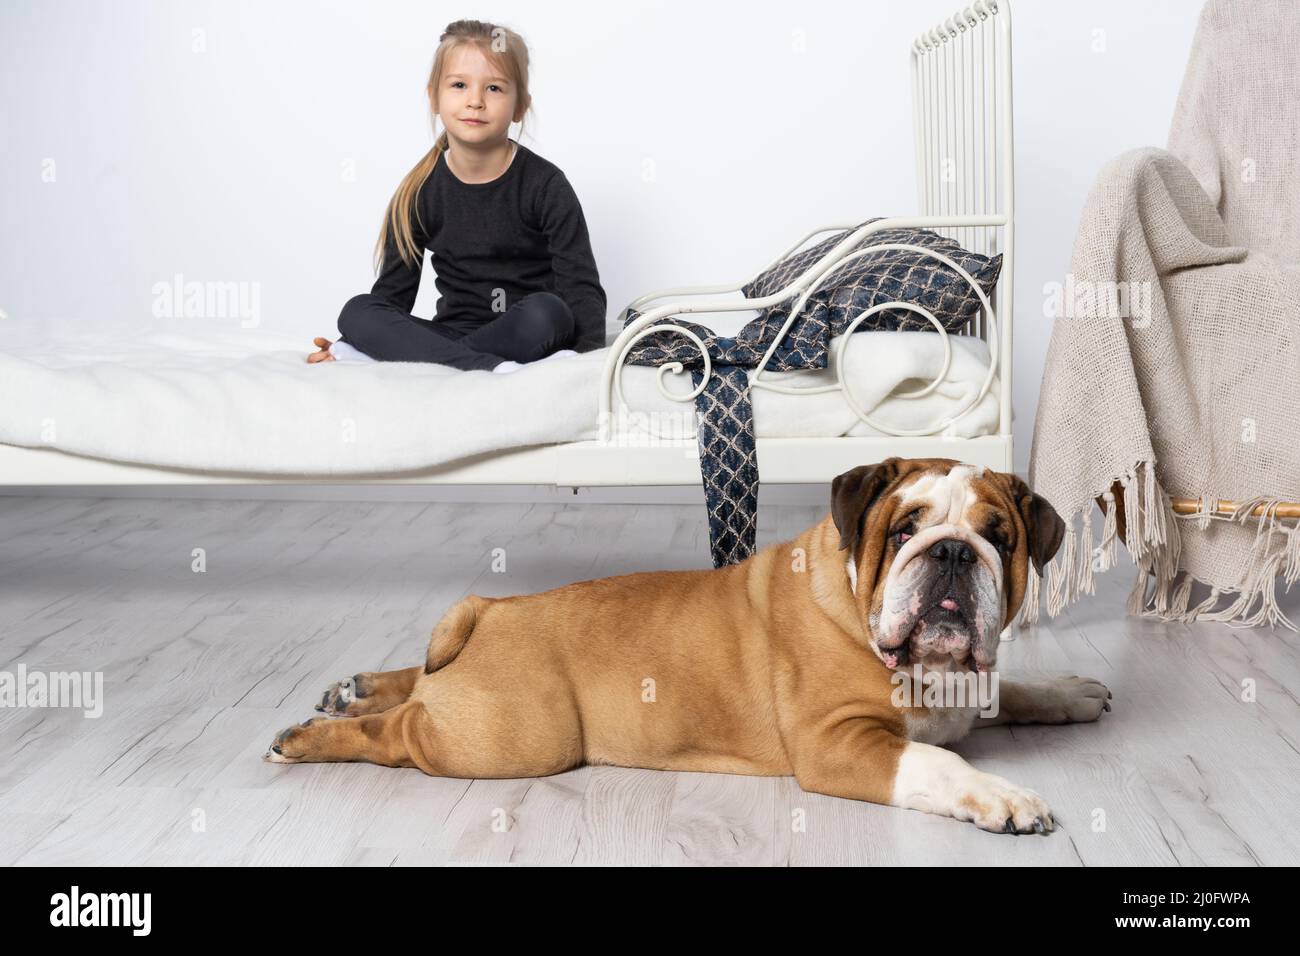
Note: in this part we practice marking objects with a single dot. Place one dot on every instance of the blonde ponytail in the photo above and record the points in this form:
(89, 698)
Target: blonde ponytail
(404, 207)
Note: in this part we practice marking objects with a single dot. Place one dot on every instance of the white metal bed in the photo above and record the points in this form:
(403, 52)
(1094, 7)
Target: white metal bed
(962, 117)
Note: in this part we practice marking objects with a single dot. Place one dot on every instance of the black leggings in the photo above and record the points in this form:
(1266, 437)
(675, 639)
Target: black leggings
(532, 328)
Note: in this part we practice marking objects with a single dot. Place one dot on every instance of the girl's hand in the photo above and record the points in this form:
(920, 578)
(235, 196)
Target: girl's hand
(324, 354)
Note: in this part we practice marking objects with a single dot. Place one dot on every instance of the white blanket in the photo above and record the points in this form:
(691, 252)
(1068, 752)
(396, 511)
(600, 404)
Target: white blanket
(206, 394)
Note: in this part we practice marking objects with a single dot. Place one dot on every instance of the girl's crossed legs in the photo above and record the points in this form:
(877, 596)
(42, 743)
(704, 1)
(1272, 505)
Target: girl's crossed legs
(532, 328)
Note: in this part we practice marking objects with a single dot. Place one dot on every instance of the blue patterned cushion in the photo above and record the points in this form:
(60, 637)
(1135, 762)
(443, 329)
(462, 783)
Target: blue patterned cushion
(893, 275)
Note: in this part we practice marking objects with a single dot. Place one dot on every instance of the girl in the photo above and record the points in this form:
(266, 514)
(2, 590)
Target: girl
(516, 279)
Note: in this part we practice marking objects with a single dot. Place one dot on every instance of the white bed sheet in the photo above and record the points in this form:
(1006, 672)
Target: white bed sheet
(207, 394)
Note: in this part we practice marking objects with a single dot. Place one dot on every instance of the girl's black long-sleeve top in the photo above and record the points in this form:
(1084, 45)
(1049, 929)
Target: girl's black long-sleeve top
(494, 243)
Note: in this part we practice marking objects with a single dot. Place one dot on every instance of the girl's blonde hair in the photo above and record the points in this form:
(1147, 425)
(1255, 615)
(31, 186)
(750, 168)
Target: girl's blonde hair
(506, 51)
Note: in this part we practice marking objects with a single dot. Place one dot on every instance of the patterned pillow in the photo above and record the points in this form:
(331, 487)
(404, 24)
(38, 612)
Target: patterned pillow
(892, 275)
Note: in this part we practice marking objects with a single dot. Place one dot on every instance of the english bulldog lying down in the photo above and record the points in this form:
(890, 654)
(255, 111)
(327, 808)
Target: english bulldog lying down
(803, 659)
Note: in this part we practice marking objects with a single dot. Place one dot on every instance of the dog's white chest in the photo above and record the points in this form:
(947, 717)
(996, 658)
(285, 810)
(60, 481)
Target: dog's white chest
(940, 725)
(939, 708)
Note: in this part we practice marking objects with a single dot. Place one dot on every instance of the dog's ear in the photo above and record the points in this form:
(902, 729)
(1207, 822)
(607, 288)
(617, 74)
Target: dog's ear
(1043, 526)
(852, 493)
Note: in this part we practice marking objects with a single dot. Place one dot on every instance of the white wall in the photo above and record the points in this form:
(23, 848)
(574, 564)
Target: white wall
(227, 164)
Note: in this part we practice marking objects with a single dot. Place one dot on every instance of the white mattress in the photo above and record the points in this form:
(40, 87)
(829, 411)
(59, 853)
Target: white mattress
(207, 394)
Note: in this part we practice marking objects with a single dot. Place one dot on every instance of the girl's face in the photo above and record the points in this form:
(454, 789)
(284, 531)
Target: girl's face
(473, 89)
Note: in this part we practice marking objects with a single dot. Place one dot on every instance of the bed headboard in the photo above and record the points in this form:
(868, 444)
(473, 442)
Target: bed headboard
(962, 119)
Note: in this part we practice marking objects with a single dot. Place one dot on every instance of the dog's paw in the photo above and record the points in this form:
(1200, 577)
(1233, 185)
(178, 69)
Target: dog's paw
(1074, 700)
(999, 806)
(338, 697)
(287, 745)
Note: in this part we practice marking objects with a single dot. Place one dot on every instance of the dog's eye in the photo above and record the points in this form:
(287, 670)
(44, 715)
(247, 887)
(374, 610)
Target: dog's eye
(905, 528)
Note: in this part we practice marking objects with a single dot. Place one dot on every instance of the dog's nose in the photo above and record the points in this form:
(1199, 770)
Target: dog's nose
(952, 554)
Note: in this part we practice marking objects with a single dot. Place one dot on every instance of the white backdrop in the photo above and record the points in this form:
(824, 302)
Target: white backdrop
(258, 142)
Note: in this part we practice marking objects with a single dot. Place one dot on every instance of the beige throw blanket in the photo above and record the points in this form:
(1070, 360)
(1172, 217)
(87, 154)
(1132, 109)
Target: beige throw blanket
(1173, 365)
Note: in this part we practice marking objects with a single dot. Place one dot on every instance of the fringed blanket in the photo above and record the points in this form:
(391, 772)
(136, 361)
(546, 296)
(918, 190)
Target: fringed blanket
(1173, 366)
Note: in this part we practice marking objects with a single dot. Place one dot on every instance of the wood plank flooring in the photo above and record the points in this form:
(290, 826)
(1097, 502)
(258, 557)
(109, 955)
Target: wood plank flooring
(201, 669)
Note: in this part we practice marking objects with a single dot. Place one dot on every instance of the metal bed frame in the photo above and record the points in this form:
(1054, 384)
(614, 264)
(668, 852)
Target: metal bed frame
(962, 119)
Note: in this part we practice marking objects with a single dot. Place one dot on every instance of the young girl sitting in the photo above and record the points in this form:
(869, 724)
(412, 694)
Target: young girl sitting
(516, 279)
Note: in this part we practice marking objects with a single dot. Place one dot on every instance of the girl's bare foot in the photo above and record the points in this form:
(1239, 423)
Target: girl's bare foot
(324, 354)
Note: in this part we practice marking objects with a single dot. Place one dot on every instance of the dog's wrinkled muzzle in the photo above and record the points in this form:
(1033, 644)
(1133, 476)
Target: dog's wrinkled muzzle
(943, 598)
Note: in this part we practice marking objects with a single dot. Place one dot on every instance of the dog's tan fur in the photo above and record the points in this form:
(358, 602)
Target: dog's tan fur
(765, 667)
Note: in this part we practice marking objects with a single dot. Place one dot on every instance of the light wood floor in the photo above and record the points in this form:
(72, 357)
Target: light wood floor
(201, 670)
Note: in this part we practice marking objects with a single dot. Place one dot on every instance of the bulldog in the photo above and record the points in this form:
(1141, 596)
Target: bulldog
(796, 661)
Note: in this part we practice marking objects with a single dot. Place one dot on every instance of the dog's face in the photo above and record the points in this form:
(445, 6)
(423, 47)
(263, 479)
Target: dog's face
(938, 556)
